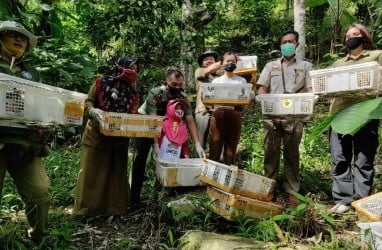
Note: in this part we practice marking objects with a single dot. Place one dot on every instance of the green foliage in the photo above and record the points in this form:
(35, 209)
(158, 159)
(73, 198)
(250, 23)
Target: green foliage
(352, 118)
(306, 219)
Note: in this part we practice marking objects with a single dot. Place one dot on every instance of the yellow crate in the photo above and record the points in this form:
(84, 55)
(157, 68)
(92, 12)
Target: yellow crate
(250, 74)
(253, 185)
(230, 205)
(179, 172)
(351, 78)
(226, 94)
(74, 112)
(131, 125)
(369, 207)
(219, 175)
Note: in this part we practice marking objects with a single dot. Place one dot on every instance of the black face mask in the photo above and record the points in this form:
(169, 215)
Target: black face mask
(174, 91)
(230, 67)
(354, 42)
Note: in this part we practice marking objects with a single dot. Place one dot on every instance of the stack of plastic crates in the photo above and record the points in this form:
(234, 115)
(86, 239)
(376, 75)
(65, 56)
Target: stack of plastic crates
(236, 192)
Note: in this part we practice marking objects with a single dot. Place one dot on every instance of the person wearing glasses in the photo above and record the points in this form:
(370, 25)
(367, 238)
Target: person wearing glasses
(156, 104)
(22, 149)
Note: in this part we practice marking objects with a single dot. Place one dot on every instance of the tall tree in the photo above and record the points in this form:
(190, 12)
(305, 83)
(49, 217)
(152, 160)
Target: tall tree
(299, 25)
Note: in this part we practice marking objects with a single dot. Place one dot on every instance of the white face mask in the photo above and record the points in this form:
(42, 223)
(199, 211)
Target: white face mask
(179, 113)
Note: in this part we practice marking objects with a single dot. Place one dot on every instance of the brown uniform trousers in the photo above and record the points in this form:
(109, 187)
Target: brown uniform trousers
(289, 132)
(102, 186)
(225, 131)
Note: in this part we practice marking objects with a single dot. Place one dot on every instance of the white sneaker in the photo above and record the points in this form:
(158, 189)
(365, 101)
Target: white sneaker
(333, 209)
(342, 209)
(339, 209)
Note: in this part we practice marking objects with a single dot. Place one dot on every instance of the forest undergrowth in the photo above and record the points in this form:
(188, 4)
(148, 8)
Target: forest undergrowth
(157, 226)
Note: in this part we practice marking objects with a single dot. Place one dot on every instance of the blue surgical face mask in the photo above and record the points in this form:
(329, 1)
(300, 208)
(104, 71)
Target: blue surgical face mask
(288, 49)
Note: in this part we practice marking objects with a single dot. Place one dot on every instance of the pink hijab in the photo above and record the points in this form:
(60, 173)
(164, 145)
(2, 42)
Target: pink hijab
(173, 125)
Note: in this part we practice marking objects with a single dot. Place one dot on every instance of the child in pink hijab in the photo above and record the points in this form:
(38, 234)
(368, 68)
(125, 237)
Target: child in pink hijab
(173, 139)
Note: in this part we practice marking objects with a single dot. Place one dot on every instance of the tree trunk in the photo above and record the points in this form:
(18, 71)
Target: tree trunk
(186, 68)
(299, 25)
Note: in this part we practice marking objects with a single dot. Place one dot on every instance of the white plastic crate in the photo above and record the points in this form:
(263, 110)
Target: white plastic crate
(253, 185)
(287, 104)
(336, 80)
(26, 100)
(371, 235)
(226, 93)
(179, 172)
(230, 206)
(246, 62)
(219, 175)
(131, 125)
(370, 207)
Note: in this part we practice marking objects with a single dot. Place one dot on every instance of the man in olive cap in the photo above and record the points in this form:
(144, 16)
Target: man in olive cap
(22, 148)
(208, 66)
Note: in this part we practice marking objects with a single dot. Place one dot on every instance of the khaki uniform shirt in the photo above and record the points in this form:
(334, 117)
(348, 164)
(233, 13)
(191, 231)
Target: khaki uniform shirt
(339, 103)
(200, 77)
(295, 76)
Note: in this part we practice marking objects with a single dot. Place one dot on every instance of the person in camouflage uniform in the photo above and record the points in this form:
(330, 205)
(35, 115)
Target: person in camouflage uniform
(22, 148)
(156, 104)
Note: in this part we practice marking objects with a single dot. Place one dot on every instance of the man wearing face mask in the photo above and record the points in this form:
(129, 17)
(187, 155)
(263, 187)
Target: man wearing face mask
(102, 186)
(287, 74)
(156, 104)
(352, 183)
(207, 71)
(226, 120)
(22, 148)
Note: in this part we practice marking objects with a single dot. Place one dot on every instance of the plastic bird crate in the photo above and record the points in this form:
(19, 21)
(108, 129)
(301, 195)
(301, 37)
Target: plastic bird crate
(246, 62)
(226, 93)
(252, 185)
(332, 81)
(287, 104)
(246, 67)
(130, 125)
(219, 175)
(369, 207)
(371, 235)
(230, 206)
(25, 100)
(179, 172)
